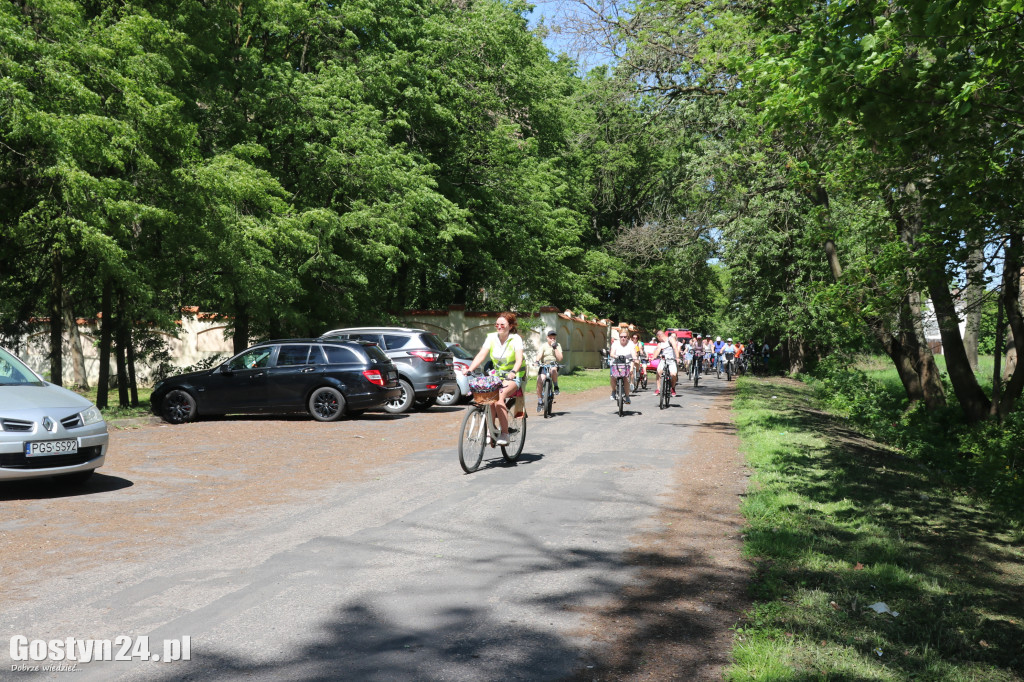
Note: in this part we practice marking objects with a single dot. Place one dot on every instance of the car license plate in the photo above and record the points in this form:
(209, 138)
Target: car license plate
(51, 447)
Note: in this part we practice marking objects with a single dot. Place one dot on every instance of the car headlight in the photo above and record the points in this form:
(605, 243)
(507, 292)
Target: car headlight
(91, 416)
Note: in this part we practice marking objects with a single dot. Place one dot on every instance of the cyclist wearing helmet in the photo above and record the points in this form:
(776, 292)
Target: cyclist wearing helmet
(729, 351)
(709, 349)
(697, 350)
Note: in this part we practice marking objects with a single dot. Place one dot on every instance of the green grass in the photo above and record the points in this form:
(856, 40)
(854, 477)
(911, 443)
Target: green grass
(580, 380)
(880, 368)
(114, 410)
(836, 523)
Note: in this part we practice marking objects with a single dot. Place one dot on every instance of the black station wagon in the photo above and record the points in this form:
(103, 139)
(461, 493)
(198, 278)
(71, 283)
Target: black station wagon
(325, 378)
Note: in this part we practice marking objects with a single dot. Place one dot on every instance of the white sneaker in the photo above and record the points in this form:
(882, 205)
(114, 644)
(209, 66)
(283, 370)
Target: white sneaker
(503, 439)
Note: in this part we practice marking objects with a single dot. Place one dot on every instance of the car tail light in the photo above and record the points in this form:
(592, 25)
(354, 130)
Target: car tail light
(426, 355)
(431, 386)
(374, 377)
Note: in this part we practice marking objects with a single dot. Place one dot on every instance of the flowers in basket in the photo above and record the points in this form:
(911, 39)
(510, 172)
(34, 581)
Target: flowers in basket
(484, 384)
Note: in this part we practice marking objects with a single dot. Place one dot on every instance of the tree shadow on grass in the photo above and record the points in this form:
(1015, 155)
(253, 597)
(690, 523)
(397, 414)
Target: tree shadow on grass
(872, 525)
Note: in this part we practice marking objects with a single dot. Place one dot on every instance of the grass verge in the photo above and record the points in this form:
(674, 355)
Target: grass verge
(580, 380)
(838, 523)
(114, 410)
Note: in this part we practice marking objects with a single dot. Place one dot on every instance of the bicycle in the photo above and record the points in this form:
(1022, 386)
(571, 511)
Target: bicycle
(664, 384)
(718, 364)
(621, 369)
(741, 365)
(696, 365)
(639, 378)
(547, 391)
(729, 368)
(479, 428)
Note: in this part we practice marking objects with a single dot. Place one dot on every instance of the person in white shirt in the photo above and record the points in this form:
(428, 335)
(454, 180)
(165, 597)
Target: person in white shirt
(729, 351)
(621, 347)
(668, 349)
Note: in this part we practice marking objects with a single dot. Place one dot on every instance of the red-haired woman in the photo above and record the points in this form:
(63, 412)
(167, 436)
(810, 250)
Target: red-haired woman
(504, 347)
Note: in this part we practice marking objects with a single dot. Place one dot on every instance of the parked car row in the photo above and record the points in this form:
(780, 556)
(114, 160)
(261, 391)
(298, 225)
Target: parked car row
(344, 372)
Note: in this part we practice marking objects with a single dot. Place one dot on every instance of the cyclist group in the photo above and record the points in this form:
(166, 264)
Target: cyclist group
(675, 348)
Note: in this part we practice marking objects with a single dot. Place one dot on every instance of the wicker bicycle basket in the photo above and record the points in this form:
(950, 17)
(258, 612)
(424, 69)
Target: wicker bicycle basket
(485, 398)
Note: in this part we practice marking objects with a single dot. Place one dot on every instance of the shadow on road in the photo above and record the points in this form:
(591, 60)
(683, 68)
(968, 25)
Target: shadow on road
(54, 488)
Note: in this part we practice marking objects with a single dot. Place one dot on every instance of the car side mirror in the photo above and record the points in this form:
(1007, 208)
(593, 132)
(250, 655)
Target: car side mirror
(226, 369)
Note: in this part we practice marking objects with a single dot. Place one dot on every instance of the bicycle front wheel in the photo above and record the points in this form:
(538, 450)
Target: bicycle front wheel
(516, 433)
(549, 397)
(621, 385)
(472, 439)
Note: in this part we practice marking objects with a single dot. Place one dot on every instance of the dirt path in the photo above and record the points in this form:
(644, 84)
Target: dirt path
(675, 622)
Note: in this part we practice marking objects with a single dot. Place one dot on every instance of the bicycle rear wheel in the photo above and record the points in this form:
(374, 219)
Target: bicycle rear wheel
(516, 433)
(643, 379)
(472, 439)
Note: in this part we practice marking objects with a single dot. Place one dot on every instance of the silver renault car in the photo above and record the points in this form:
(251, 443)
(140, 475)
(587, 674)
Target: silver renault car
(46, 430)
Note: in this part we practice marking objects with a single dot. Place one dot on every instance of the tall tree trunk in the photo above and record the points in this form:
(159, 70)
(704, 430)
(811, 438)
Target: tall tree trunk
(797, 355)
(907, 363)
(133, 386)
(1013, 291)
(78, 370)
(997, 355)
(121, 325)
(905, 368)
(106, 334)
(973, 400)
(973, 296)
(920, 354)
(57, 321)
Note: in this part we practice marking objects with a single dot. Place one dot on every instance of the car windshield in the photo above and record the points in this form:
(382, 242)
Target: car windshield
(13, 372)
(460, 352)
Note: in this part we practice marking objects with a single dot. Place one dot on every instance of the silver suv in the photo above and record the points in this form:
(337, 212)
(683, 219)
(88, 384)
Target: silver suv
(425, 365)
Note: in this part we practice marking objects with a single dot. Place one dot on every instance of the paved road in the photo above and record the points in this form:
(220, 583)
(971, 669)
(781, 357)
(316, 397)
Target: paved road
(418, 572)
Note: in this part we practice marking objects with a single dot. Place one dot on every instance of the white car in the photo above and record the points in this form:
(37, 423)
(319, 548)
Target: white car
(46, 430)
(462, 359)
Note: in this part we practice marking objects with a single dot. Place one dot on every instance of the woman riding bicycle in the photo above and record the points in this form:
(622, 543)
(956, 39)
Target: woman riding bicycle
(504, 347)
(621, 347)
